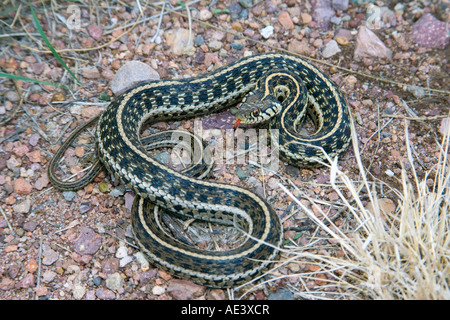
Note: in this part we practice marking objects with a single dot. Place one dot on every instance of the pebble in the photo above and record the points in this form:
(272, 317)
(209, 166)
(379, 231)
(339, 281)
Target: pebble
(131, 73)
(88, 241)
(110, 265)
(69, 195)
(142, 260)
(199, 40)
(27, 282)
(185, 290)
(114, 281)
(105, 294)
(246, 3)
(369, 45)
(237, 46)
(331, 48)
(23, 207)
(42, 181)
(385, 205)
(95, 32)
(285, 20)
(129, 198)
(49, 255)
(117, 192)
(215, 45)
(306, 18)
(390, 173)
(91, 73)
(48, 276)
(300, 47)
(266, 32)
(78, 291)
(430, 32)
(158, 290)
(235, 10)
(205, 15)
(322, 14)
(281, 294)
(22, 186)
(121, 252)
(340, 4)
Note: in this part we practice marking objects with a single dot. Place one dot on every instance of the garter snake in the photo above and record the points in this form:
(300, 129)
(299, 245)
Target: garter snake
(292, 83)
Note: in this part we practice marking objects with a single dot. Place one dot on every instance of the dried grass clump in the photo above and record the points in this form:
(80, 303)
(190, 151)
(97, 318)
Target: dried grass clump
(404, 254)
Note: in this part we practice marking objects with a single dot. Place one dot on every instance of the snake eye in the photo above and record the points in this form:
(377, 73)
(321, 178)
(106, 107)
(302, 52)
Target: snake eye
(255, 112)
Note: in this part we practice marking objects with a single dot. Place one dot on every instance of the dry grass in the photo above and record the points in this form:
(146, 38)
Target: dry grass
(404, 254)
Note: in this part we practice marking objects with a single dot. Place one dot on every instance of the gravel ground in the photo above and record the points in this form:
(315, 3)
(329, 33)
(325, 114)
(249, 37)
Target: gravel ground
(389, 58)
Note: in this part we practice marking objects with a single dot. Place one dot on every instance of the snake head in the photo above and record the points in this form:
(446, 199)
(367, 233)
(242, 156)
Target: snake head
(256, 108)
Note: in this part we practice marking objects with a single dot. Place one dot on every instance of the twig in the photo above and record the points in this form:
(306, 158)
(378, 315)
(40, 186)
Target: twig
(39, 266)
(7, 222)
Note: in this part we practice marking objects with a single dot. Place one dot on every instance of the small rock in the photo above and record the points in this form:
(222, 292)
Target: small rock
(121, 252)
(386, 207)
(49, 255)
(322, 13)
(369, 45)
(6, 284)
(23, 207)
(205, 15)
(69, 195)
(340, 4)
(246, 3)
(390, 173)
(158, 290)
(48, 276)
(306, 18)
(34, 139)
(140, 258)
(331, 48)
(199, 40)
(88, 242)
(300, 47)
(95, 32)
(125, 260)
(41, 291)
(22, 186)
(267, 32)
(430, 32)
(91, 73)
(281, 294)
(115, 281)
(105, 294)
(235, 10)
(110, 265)
(285, 20)
(31, 266)
(30, 226)
(42, 182)
(27, 282)
(147, 276)
(237, 46)
(131, 73)
(78, 291)
(215, 45)
(185, 290)
(129, 198)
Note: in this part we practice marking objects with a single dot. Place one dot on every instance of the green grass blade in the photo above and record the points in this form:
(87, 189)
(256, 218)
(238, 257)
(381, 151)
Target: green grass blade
(49, 45)
(15, 77)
